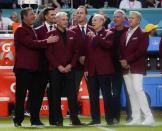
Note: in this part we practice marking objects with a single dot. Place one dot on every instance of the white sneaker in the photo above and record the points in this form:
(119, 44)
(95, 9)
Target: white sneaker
(134, 122)
(148, 121)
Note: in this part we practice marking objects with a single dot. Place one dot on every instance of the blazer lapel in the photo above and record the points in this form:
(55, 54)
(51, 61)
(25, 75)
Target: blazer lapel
(135, 34)
(68, 37)
(124, 38)
(79, 31)
(45, 28)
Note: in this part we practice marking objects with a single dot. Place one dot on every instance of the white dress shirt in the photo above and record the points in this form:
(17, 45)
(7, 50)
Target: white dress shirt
(48, 26)
(85, 27)
(126, 4)
(130, 33)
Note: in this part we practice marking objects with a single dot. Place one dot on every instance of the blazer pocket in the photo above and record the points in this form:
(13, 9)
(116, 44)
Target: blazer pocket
(135, 38)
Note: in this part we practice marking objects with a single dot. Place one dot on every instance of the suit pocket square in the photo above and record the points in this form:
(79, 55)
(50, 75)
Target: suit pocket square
(135, 38)
(71, 38)
(104, 38)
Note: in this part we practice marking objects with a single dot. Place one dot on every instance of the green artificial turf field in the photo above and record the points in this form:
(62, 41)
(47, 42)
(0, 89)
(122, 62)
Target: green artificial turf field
(6, 124)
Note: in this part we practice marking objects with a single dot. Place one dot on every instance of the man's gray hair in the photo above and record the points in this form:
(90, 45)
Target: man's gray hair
(137, 13)
(60, 14)
(99, 16)
(120, 11)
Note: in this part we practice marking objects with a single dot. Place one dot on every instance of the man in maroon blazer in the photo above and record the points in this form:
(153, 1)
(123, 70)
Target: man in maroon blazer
(48, 25)
(62, 59)
(26, 66)
(99, 68)
(134, 45)
(81, 30)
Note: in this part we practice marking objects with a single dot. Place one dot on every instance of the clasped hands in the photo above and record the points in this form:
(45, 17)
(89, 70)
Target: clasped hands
(124, 64)
(65, 69)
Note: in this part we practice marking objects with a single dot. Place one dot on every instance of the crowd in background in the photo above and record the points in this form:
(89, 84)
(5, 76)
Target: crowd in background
(13, 21)
(89, 3)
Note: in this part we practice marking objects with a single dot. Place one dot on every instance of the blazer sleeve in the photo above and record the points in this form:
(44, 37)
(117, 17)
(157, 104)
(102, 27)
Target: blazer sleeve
(105, 42)
(24, 37)
(121, 46)
(141, 50)
(75, 53)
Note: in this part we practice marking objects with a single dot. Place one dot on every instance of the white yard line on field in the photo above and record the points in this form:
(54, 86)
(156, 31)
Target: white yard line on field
(104, 128)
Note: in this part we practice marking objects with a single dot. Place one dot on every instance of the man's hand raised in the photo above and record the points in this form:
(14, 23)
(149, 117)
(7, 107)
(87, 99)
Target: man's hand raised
(52, 39)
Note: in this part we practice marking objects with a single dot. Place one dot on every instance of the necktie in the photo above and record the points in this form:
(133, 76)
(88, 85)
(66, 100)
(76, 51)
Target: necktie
(83, 32)
(50, 27)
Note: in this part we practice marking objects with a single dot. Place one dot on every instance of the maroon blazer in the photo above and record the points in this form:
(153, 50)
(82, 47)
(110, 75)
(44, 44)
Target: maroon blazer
(62, 53)
(26, 48)
(42, 34)
(81, 42)
(135, 50)
(41, 31)
(98, 54)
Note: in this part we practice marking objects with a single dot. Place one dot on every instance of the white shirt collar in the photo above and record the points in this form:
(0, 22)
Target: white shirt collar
(130, 33)
(133, 30)
(85, 27)
(48, 26)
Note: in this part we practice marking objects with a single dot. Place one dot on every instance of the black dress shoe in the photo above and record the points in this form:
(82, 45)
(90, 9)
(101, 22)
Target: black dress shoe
(78, 123)
(94, 123)
(37, 124)
(116, 121)
(17, 124)
(110, 122)
(59, 124)
(128, 119)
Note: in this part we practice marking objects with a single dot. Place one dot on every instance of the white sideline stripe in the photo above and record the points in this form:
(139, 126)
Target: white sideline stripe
(104, 128)
(87, 97)
(62, 98)
(6, 67)
(4, 99)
